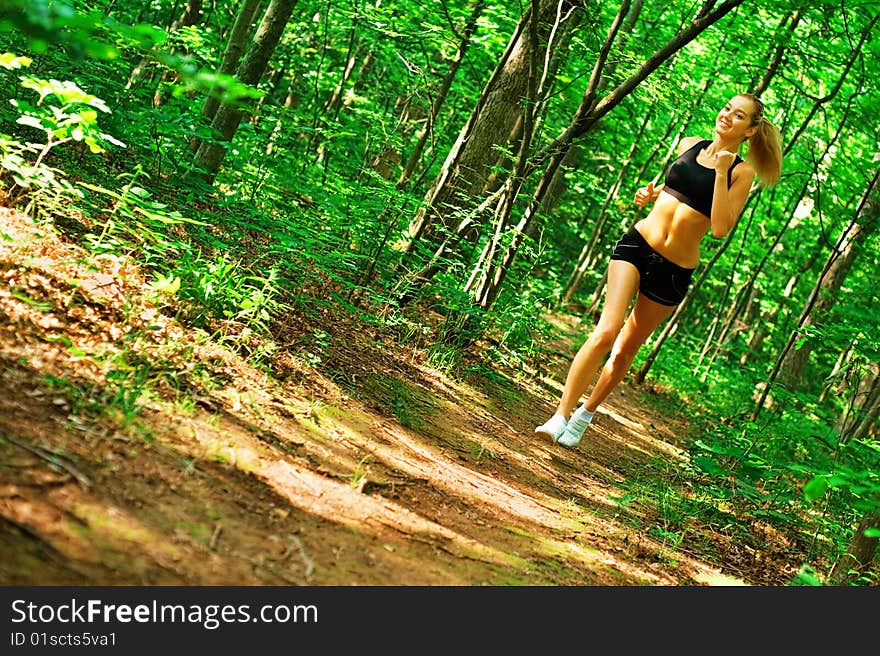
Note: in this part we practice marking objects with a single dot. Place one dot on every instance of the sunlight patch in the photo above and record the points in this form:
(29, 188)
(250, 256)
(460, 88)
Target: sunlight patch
(718, 579)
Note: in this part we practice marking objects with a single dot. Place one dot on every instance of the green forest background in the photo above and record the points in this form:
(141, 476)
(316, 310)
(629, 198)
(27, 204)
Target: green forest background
(456, 173)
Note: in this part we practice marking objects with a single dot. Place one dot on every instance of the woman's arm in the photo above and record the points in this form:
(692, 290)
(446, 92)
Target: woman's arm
(649, 194)
(728, 203)
(645, 195)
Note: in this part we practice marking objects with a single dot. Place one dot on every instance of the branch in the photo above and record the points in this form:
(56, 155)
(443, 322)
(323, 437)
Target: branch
(589, 114)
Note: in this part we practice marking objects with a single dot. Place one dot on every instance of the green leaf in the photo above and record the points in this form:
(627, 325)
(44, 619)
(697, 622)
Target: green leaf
(39, 305)
(11, 62)
(166, 285)
(32, 121)
(709, 465)
(815, 488)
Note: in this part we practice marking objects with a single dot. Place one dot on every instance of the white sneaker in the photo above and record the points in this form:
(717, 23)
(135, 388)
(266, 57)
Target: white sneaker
(574, 429)
(552, 428)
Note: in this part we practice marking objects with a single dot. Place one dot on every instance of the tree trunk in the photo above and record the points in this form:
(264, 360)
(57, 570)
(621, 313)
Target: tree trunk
(334, 103)
(861, 553)
(467, 166)
(586, 256)
(856, 55)
(863, 222)
(589, 114)
(556, 53)
(190, 16)
(736, 308)
(513, 185)
(861, 412)
(235, 47)
(793, 365)
(228, 117)
(773, 67)
(869, 416)
(839, 372)
(414, 157)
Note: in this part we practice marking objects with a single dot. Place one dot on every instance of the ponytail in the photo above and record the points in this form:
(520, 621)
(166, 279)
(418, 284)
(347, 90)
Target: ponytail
(765, 149)
(765, 152)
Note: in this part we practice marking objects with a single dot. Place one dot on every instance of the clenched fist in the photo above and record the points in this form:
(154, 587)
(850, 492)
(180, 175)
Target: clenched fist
(723, 160)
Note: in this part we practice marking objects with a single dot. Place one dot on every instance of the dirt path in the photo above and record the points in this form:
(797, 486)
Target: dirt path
(368, 469)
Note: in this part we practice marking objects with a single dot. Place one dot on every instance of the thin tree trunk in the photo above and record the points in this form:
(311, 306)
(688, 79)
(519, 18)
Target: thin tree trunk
(870, 415)
(589, 114)
(536, 92)
(776, 60)
(626, 30)
(835, 377)
(556, 52)
(854, 423)
(334, 103)
(190, 16)
(464, 43)
(585, 257)
(235, 47)
(250, 70)
(793, 366)
(737, 307)
(466, 169)
(855, 56)
(866, 215)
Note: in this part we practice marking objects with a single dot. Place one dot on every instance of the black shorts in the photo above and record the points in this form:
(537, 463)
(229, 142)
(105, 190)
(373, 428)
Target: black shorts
(659, 279)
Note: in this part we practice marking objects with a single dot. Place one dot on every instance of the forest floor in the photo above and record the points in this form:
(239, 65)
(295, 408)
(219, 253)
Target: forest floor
(137, 451)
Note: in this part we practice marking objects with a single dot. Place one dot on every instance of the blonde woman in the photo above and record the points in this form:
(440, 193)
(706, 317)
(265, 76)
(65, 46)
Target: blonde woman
(705, 190)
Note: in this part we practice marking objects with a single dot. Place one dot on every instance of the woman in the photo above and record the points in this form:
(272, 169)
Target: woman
(705, 189)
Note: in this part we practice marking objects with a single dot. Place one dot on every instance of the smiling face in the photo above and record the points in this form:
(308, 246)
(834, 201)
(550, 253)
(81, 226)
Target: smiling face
(736, 120)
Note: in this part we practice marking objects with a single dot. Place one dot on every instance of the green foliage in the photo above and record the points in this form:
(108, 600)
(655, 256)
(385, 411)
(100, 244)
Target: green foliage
(83, 32)
(306, 210)
(40, 190)
(220, 288)
(405, 405)
(66, 120)
(806, 576)
(134, 221)
(815, 488)
(62, 113)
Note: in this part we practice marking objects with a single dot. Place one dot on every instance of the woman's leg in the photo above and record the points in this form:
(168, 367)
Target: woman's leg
(644, 319)
(622, 285)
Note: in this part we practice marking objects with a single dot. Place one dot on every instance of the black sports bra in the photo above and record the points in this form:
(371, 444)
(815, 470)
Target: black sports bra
(691, 182)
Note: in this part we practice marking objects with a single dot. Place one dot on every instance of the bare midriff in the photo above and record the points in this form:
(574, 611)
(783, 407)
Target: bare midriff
(674, 230)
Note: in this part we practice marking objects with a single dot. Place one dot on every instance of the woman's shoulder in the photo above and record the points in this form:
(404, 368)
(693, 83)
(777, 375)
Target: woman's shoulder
(744, 168)
(687, 143)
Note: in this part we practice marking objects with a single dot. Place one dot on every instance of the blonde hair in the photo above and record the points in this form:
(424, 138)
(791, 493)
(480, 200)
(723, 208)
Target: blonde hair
(765, 149)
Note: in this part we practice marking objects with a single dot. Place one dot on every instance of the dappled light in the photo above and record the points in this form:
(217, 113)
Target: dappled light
(458, 480)
(466, 293)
